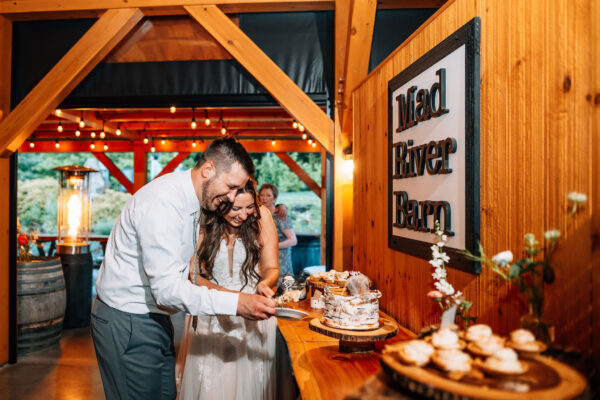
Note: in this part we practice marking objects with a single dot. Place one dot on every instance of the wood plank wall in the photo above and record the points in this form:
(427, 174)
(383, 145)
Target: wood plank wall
(537, 136)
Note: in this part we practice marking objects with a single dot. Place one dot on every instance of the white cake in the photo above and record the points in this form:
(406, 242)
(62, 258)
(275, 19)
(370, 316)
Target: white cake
(354, 312)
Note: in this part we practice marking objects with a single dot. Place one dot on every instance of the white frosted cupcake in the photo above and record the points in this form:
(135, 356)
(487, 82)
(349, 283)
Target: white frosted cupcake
(524, 341)
(446, 339)
(478, 332)
(487, 346)
(504, 361)
(415, 352)
(452, 360)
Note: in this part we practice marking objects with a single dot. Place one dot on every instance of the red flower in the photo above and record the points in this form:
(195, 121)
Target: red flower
(22, 239)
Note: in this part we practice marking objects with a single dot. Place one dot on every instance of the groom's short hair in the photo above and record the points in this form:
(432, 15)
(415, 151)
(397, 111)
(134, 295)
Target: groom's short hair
(224, 153)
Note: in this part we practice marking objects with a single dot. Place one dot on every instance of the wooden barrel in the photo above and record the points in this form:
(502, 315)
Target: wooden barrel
(41, 302)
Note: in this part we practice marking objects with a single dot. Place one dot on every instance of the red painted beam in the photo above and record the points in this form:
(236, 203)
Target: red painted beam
(114, 171)
(170, 167)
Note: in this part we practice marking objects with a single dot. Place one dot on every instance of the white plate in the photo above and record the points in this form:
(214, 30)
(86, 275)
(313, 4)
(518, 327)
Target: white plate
(290, 313)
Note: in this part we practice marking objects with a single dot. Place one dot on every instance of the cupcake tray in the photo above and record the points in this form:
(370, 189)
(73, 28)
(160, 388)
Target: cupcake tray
(352, 341)
(544, 379)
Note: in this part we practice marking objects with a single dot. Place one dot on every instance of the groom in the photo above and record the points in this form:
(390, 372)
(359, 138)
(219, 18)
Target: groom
(143, 278)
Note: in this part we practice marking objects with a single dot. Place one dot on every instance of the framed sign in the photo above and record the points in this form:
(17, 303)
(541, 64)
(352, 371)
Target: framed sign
(433, 149)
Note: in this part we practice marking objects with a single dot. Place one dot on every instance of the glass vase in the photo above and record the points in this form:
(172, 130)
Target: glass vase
(541, 326)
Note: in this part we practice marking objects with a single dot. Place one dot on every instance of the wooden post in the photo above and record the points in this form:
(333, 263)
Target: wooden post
(5, 77)
(93, 46)
(323, 207)
(140, 163)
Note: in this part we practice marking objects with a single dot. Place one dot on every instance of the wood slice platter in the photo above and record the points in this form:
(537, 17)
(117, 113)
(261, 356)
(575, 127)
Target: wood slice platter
(545, 379)
(353, 341)
(321, 285)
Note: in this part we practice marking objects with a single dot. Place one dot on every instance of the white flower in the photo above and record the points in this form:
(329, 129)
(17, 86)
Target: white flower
(444, 287)
(439, 274)
(444, 237)
(444, 257)
(436, 263)
(552, 234)
(503, 258)
(440, 244)
(576, 197)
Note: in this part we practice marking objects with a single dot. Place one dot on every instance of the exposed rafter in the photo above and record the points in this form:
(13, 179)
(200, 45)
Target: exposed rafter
(114, 171)
(265, 71)
(175, 161)
(93, 46)
(297, 169)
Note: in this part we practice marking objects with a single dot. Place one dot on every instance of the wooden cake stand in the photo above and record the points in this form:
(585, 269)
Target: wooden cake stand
(357, 341)
(545, 379)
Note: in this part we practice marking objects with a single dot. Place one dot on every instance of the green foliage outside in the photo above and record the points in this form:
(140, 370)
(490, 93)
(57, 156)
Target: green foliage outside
(38, 188)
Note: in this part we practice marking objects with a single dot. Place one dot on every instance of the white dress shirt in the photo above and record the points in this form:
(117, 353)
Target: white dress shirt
(146, 262)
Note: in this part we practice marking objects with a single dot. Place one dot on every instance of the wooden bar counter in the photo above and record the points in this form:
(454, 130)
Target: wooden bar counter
(320, 369)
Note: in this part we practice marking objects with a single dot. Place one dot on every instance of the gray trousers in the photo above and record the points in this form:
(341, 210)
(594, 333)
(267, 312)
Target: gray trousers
(135, 353)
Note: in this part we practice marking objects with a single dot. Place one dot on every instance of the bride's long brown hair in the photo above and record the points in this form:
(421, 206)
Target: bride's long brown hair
(213, 228)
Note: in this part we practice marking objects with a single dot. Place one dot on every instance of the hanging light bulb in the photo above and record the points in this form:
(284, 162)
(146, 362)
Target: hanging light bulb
(58, 112)
(145, 140)
(153, 149)
(93, 134)
(314, 144)
(194, 144)
(60, 127)
(31, 144)
(223, 130)
(301, 127)
(57, 145)
(273, 142)
(77, 133)
(92, 146)
(310, 141)
(304, 136)
(105, 147)
(102, 134)
(295, 125)
(193, 124)
(118, 132)
(173, 109)
(81, 121)
(162, 141)
(206, 118)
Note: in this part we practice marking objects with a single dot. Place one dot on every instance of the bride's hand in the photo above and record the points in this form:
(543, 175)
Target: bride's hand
(263, 289)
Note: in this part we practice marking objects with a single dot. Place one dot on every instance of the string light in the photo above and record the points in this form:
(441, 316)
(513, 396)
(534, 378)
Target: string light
(81, 121)
(58, 112)
(295, 125)
(223, 130)
(310, 141)
(77, 133)
(206, 120)
(162, 141)
(273, 142)
(145, 140)
(60, 127)
(102, 134)
(301, 127)
(173, 109)
(92, 146)
(194, 144)
(314, 144)
(93, 134)
(118, 132)
(153, 149)
(57, 145)
(31, 144)
(193, 124)
(105, 147)
(304, 136)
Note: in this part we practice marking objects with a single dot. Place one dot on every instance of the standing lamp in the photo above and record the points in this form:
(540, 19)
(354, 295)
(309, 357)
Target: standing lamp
(73, 247)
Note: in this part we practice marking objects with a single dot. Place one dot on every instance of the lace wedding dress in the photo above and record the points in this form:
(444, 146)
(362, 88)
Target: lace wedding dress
(228, 357)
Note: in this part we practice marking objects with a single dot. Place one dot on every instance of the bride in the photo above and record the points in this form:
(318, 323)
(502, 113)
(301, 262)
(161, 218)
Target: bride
(231, 357)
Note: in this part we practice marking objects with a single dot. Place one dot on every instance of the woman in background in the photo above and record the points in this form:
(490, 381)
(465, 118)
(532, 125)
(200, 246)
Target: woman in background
(287, 237)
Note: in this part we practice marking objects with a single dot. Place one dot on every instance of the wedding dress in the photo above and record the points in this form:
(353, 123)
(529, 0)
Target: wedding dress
(228, 357)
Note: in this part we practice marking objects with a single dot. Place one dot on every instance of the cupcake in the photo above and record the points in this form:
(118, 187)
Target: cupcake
(504, 361)
(478, 332)
(415, 352)
(486, 346)
(523, 340)
(446, 339)
(452, 360)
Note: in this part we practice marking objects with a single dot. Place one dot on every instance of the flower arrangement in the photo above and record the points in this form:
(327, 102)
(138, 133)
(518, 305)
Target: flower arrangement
(531, 272)
(444, 293)
(23, 240)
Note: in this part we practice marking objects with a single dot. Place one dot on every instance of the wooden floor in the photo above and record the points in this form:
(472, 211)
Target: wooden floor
(66, 373)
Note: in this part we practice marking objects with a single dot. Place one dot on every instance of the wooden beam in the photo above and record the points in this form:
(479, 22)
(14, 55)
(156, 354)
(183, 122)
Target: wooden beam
(304, 177)
(230, 6)
(65, 76)
(170, 167)
(266, 72)
(323, 207)
(5, 217)
(115, 171)
(83, 146)
(358, 54)
(140, 165)
(343, 10)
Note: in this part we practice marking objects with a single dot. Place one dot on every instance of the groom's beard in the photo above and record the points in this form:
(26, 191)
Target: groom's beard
(209, 196)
